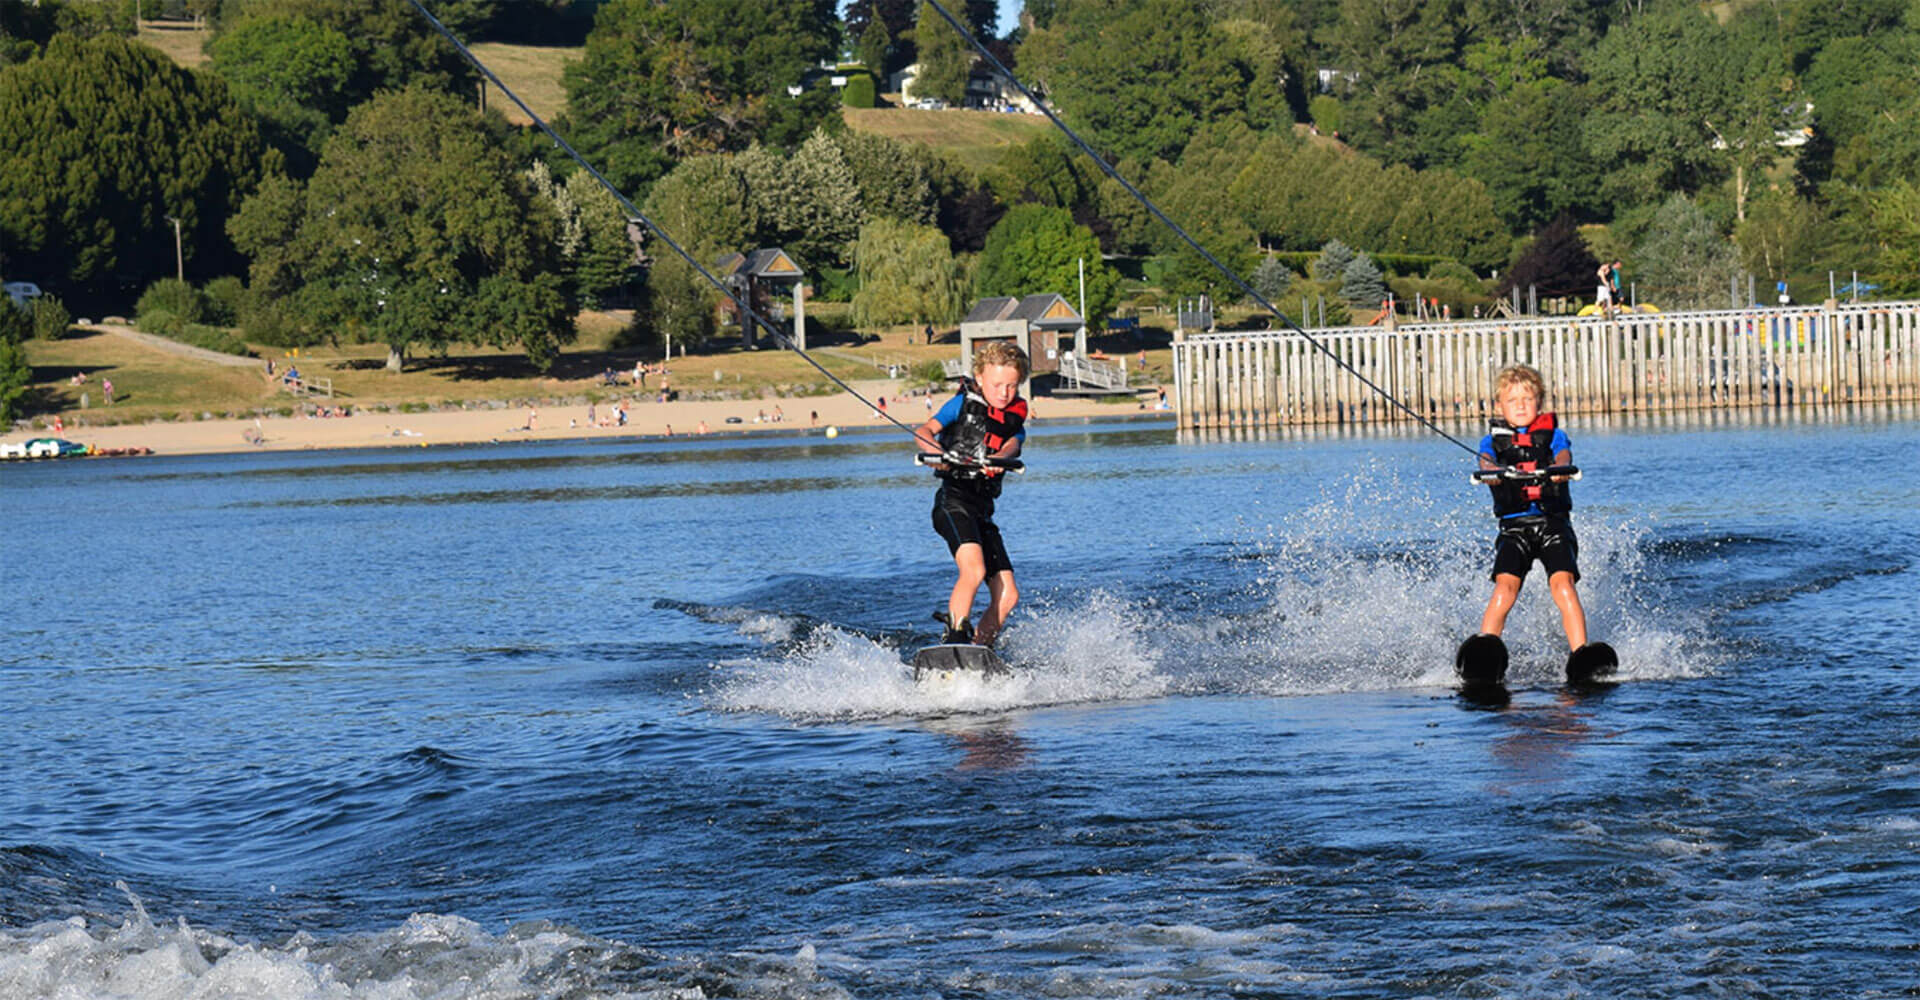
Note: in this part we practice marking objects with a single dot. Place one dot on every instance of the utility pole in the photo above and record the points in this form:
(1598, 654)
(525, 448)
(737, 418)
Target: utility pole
(179, 258)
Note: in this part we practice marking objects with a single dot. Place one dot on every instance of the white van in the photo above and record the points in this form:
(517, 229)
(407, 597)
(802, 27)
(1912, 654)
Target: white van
(22, 293)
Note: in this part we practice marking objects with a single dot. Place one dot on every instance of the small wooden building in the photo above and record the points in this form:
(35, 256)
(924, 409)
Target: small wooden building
(764, 279)
(1035, 322)
(1038, 323)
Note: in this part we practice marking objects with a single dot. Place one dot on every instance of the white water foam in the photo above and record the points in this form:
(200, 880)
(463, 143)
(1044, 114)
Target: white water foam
(429, 957)
(1351, 594)
(1086, 654)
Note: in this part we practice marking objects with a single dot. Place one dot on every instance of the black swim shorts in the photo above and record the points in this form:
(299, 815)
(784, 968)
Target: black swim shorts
(1525, 539)
(963, 519)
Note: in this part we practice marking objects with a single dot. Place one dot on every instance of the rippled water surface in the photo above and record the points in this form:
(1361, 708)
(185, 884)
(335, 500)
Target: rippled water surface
(632, 720)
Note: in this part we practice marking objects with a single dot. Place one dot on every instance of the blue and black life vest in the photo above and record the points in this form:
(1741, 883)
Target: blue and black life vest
(980, 431)
(1527, 448)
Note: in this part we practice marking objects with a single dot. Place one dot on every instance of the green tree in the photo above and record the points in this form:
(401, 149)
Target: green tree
(290, 71)
(1227, 239)
(897, 180)
(1138, 77)
(1893, 223)
(1271, 279)
(874, 44)
(808, 203)
(1045, 171)
(1782, 235)
(392, 46)
(15, 373)
(1530, 154)
(1362, 284)
(1685, 102)
(662, 80)
(907, 275)
(591, 239)
(705, 203)
(101, 140)
(417, 230)
(946, 57)
(1684, 261)
(1331, 264)
(1396, 48)
(1035, 249)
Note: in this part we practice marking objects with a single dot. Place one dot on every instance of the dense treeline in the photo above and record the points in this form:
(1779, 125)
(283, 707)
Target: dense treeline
(1308, 143)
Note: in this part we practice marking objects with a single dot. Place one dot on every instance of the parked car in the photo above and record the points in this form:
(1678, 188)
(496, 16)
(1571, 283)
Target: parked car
(22, 293)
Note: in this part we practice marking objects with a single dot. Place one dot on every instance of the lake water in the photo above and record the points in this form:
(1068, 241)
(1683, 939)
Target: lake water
(630, 720)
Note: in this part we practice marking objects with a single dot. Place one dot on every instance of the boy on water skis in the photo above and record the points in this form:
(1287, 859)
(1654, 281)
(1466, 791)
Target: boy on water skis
(986, 419)
(1534, 517)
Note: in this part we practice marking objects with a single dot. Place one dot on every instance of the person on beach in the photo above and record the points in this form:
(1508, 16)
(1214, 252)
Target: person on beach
(1534, 519)
(985, 419)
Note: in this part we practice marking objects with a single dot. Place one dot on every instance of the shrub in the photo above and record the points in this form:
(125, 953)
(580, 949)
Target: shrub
(180, 300)
(222, 299)
(835, 284)
(50, 318)
(264, 321)
(859, 92)
(212, 338)
(164, 322)
(1454, 272)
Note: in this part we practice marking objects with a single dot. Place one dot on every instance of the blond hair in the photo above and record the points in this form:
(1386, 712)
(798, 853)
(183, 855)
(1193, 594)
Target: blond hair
(1525, 375)
(1001, 352)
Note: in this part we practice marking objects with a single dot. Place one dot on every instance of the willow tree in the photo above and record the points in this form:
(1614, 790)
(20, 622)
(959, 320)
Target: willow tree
(907, 275)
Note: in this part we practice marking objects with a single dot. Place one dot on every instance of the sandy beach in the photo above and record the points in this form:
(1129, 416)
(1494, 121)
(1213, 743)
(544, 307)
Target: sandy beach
(483, 423)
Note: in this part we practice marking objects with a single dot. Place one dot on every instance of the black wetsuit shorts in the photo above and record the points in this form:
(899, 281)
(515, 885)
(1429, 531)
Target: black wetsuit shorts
(1548, 538)
(962, 518)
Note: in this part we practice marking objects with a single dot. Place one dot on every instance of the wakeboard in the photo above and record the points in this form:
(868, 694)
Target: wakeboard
(950, 661)
(1481, 662)
(1592, 663)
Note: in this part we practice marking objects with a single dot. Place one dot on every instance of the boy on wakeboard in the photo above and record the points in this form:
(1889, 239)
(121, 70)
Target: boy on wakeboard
(986, 419)
(1534, 517)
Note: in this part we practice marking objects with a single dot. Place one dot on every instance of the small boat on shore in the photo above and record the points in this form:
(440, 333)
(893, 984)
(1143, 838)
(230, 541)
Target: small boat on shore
(63, 448)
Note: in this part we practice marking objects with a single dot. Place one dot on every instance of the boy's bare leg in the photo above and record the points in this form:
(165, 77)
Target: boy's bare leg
(1506, 590)
(1573, 617)
(972, 564)
(1002, 595)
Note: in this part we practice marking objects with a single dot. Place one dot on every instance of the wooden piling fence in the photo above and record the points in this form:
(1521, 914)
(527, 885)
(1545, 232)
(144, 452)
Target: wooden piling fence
(1633, 363)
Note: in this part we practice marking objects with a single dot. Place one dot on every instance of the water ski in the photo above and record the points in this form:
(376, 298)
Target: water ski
(1593, 662)
(952, 660)
(1481, 661)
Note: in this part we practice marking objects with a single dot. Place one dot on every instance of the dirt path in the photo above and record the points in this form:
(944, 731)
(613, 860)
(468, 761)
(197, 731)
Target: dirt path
(175, 347)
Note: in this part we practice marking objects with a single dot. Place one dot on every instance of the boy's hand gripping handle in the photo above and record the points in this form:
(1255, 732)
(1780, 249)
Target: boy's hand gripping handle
(1491, 476)
(955, 460)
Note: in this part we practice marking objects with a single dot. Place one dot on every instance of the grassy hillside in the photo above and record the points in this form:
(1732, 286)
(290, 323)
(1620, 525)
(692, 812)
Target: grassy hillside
(531, 71)
(181, 41)
(975, 138)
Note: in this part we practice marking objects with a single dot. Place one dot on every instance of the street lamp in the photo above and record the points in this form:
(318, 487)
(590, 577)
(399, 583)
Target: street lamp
(179, 258)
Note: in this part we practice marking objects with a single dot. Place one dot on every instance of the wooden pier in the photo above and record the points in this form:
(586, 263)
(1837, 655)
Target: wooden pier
(1796, 356)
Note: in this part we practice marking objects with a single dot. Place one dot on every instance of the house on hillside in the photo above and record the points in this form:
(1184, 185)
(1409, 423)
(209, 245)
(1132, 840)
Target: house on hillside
(987, 90)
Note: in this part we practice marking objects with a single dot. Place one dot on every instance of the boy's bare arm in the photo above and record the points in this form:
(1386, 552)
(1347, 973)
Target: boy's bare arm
(1563, 457)
(927, 436)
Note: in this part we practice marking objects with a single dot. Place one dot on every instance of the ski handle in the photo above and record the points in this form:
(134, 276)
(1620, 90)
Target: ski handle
(1511, 474)
(952, 460)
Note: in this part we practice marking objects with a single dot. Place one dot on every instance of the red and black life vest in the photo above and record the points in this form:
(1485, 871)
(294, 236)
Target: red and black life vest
(1527, 448)
(980, 431)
